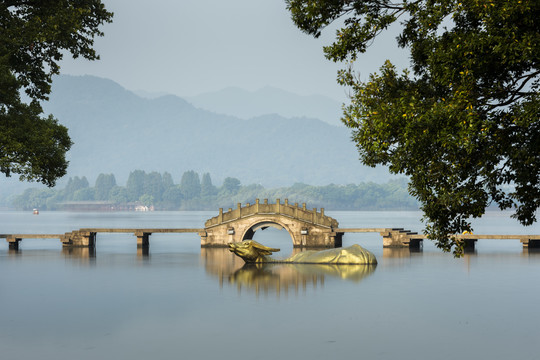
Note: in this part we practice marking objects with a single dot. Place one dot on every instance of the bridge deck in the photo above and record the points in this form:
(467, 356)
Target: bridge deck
(102, 230)
(424, 236)
(364, 230)
(486, 237)
(391, 236)
(143, 230)
(197, 230)
(31, 236)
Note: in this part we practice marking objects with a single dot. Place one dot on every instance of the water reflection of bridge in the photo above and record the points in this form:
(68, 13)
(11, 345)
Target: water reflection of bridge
(278, 279)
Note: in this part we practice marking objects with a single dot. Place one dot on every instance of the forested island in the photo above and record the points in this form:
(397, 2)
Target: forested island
(158, 191)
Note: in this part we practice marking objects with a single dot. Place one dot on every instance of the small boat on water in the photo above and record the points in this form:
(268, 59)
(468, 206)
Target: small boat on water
(36, 212)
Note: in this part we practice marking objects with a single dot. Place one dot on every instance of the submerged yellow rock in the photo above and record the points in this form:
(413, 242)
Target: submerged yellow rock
(254, 252)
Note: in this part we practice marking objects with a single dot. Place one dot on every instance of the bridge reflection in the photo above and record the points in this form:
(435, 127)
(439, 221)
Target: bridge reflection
(275, 278)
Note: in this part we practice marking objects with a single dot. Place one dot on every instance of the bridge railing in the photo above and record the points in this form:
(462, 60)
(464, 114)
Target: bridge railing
(286, 209)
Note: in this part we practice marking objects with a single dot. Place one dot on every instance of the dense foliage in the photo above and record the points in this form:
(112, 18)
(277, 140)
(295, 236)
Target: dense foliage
(34, 36)
(159, 191)
(463, 122)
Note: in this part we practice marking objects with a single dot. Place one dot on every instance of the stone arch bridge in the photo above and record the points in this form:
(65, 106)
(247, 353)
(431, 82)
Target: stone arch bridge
(308, 228)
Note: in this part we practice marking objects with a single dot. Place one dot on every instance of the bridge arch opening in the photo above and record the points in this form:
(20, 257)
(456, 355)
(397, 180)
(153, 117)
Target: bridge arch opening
(273, 235)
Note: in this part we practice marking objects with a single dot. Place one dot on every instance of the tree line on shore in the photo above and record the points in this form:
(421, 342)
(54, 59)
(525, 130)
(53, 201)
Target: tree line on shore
(193, 192)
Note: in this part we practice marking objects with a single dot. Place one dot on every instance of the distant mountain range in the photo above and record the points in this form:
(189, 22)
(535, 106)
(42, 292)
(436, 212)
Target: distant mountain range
(116, 131)
(268, 100)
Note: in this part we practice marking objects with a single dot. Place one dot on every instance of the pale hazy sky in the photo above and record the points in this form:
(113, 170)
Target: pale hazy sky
(188, 47)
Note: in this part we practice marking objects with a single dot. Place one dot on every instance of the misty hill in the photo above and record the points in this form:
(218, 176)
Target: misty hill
(268, 100)
(116, 131)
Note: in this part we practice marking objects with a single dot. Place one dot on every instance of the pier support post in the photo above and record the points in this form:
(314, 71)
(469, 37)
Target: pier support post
(13, 242)
(531, 243)
(143, 239)
(86, 239)
(79, 239)
(398, 237)
(415, 243)
(470, 245)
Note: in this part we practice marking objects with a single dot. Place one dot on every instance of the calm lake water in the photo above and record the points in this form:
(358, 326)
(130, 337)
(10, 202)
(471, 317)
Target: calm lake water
(184, 302)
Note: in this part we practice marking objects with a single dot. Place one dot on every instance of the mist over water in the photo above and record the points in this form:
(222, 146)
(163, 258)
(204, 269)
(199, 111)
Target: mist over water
(181, 301)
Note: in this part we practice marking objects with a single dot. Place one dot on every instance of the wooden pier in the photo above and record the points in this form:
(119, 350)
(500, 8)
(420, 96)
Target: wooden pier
(392, 237)
(399, 237)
